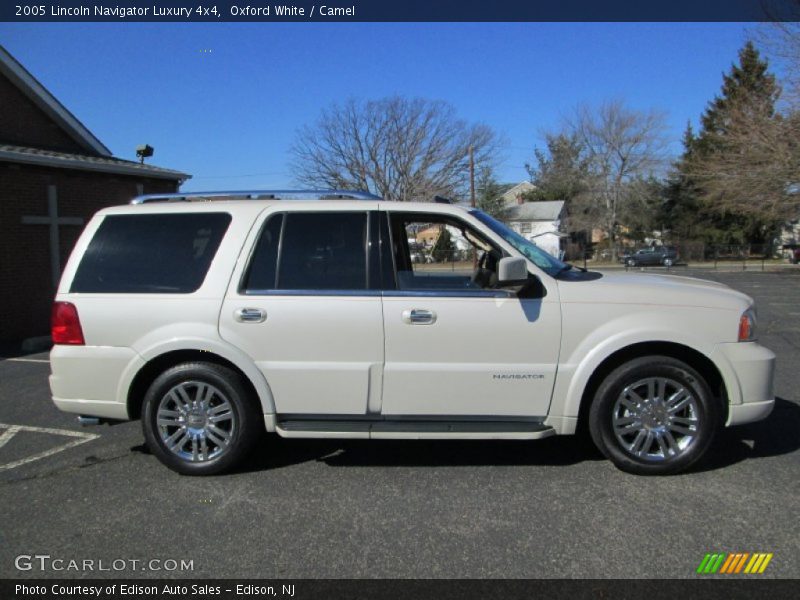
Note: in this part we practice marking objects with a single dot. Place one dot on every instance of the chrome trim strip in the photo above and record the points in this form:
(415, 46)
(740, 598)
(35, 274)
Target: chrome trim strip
(387, 293)
(366, 293)
(448, 294)
(257, 195)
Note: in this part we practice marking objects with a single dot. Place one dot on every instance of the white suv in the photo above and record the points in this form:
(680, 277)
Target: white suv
(214, 317)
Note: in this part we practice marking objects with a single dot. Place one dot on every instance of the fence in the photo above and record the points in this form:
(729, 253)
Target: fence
(693, 254)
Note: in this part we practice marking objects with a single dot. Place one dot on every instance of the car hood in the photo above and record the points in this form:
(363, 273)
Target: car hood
(651, 289)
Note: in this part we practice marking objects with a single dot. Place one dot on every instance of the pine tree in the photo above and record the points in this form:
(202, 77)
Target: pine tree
(749, 85)
(679, 213)
(490, 193)
(561, 171)
(717, 178)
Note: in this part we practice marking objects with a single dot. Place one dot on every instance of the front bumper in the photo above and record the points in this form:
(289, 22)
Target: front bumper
(748, 370)
(747, 413)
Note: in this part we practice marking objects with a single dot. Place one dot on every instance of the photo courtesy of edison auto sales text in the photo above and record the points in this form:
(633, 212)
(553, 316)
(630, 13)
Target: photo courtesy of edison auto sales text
(124, 589)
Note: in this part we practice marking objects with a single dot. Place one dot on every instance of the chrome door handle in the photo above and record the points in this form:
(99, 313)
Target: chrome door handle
(250, 315)
(419, 316)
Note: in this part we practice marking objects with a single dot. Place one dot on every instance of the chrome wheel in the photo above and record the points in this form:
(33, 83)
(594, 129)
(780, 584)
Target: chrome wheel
(196, 421)
(656, 419)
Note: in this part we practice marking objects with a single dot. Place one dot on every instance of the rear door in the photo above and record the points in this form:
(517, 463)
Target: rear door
(304, 307)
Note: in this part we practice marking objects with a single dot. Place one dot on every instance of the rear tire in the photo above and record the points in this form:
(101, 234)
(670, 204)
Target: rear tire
(200, 419)
(654, 415)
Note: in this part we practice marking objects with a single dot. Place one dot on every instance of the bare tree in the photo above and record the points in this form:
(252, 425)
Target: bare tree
(401, 149)
(622, 147)
(781, 40)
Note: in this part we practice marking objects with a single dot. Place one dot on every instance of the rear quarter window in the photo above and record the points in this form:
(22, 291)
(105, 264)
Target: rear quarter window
(150, 254)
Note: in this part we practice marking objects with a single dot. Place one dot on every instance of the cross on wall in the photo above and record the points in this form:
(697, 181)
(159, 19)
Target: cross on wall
(53, 221)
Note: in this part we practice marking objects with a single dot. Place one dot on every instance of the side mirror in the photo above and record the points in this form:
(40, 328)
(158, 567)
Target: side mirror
(512, 271)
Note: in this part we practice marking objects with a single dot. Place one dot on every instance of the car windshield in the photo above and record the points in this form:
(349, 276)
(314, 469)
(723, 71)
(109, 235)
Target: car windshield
(551, 265)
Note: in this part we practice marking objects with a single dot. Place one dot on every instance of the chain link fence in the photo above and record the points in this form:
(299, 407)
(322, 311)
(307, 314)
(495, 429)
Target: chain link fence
(682, 254)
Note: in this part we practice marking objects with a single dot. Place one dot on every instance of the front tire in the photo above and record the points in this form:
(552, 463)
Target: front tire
(654, 415)
(199, 418)
(631, 262)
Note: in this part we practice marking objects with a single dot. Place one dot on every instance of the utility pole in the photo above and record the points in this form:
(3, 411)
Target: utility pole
(472, 196)
(472, 176)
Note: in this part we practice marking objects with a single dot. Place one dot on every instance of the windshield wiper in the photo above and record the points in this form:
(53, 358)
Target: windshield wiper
(569, 267)
(564, 269)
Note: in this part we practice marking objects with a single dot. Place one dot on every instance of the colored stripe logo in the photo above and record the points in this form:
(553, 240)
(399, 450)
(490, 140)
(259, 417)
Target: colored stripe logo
(734, 562)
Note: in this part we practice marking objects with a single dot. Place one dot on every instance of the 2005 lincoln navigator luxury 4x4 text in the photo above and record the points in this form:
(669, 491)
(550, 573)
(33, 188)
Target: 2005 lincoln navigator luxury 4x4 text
(215, 317)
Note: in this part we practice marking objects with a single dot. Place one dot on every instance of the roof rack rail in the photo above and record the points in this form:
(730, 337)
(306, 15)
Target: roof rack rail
(257, 195)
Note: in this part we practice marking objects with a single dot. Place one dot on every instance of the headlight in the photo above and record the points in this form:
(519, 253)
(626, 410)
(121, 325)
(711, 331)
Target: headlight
(747, 325)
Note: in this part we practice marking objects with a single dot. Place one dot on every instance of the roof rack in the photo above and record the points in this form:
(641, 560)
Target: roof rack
(257, 195)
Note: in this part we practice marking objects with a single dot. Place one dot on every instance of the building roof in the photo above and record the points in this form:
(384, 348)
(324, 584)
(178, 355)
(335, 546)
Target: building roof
(549, 210)
(511, 194)
(97, 156)
(108, 164)
(38, 94)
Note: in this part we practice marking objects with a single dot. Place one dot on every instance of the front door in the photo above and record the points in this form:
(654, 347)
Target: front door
(304, 311)
(455, 344)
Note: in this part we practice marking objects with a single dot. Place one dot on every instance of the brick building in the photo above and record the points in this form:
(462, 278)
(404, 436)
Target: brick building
(54, 174)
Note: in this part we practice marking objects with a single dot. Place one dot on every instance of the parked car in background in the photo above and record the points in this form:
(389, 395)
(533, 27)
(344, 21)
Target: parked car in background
(654, 255)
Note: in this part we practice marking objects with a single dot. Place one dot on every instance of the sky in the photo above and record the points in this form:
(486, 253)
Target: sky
(223, 101)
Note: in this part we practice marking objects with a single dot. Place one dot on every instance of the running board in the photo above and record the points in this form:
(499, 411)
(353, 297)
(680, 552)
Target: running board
(414, 430)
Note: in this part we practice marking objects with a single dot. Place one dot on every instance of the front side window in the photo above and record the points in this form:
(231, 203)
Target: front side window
(310, 251)
(150, 254)
(436, 252)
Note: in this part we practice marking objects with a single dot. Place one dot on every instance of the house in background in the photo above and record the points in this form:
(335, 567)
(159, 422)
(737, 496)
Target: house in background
(513, 195)
(540, 222)
(54, 175)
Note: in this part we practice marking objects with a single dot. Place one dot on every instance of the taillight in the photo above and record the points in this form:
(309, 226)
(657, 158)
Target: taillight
(65, 324)
(747, 326)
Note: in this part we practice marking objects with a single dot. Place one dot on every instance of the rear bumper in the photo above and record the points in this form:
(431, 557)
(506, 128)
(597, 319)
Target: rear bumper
(94, 408)
(86, 380)
(748, 370)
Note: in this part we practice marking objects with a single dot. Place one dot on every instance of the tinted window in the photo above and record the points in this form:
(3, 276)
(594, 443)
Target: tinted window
(323, 251)
(262, 270)
(151, 254)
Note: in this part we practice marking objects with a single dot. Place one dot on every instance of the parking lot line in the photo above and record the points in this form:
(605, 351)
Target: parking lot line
(12, 430)
(8, 434)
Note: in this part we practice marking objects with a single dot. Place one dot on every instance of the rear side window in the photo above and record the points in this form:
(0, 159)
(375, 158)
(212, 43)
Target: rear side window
(310, 251)
(150, 254)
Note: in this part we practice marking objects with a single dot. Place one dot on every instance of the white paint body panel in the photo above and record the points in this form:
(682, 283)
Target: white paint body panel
(480, 357)
(320, 354)
(354, 355)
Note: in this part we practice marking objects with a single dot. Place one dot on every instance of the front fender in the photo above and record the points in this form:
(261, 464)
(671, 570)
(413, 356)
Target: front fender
(584, 354)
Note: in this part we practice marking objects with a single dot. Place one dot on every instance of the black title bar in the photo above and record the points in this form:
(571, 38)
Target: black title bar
(712, 588)
(397, 10)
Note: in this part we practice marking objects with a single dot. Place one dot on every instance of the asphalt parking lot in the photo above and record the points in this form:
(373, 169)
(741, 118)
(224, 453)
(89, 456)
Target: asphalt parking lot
(424, 509)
